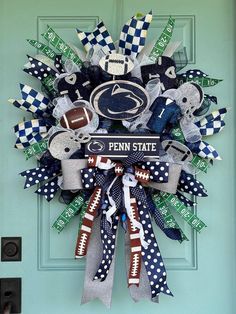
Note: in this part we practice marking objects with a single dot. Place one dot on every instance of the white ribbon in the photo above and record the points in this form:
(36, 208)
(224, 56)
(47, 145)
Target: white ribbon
(128, 181)
(112, 209)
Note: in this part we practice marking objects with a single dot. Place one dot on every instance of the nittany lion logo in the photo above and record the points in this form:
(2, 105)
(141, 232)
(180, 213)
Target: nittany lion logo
(118, 100)
(96, 146)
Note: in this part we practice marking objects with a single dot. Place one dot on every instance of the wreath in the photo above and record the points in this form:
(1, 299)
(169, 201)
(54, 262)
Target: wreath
(119, 133)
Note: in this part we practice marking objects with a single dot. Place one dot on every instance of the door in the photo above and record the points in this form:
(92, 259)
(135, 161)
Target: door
(201, 272)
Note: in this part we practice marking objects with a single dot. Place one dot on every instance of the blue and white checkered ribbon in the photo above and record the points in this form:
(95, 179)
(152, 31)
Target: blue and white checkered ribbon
(133, 35)
(32, 101)
(99, 36)
(30, 132)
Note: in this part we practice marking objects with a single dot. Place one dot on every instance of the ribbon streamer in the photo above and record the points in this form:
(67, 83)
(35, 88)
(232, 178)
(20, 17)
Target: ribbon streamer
(185, 200)
(87, 223)
(36, 149)
(200, 163)
(94, 288)
(32, 101)
(133, 35)
(68, 213)
(163, 40)
(217, 115)
(143, 291)
(39, 69)
(184, 212)
(30, 132)
(152, 257)
(188, 184)
(204, 150)
(51, 36)
(135, 246)
(49, 189)
(108, 238)
(98, 37)
(168, 217)
(202, 81)
(43, 48)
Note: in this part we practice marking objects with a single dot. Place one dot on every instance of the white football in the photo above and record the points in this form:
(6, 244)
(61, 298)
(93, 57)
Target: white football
(116, 64)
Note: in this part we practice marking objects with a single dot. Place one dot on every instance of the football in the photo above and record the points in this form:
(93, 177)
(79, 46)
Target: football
(116, 64)
(76, 118)
(177, 150)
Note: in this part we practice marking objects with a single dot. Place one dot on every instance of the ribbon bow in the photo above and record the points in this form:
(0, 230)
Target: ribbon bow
(117, 186)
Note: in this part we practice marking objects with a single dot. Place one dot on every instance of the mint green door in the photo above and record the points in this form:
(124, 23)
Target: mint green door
(201, 272)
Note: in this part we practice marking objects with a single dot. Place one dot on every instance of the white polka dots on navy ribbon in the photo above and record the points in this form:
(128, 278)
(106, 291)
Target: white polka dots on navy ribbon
(88, 177)
(187, 183)
(108, 244)
(152, 257)
(49, 189)
(36, 175)
(58, 64)
(193, 73)
(139, 193)
(185, 200)
(39, 69)
(159, 170)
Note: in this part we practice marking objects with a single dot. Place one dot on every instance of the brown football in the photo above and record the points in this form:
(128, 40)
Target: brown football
(76, 118)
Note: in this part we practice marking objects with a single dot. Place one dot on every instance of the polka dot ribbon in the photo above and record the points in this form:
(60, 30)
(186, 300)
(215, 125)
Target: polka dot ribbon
(188, 184)
(39, 69)
(152, 257)
(40, 174)
(108, 238)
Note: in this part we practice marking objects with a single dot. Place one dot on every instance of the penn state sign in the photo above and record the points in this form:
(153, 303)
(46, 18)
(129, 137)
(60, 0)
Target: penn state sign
(119, 100)
(118, 146)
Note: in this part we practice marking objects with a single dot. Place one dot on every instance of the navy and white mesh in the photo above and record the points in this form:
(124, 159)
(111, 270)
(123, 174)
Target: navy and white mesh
(133, 35)
(99, 36)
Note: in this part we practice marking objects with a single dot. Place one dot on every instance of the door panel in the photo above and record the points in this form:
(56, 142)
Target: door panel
(201, 271)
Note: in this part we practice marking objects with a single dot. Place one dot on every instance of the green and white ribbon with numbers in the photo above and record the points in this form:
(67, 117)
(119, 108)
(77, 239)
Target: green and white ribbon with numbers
(177, 134)
(68, 213)
(187, 214)
(163, 40)
(200, 163)
(43, 48)
(168, 217)
(36, 149)
(51, 36)
(202, 81)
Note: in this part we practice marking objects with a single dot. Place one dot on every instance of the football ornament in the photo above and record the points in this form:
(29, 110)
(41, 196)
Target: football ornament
(76, 118)
(177, 150)
(118, 100)
(116, 64)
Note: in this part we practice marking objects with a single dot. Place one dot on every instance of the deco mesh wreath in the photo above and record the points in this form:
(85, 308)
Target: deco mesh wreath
(120, 134)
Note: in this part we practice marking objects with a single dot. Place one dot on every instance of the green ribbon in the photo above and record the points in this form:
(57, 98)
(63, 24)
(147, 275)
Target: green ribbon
(48, 84)
(43, 48)
(200, 163)
(68, 213)
(36, 149)
(202, 81)
(163, 40)
(168, 217)
(177, 134)
(82, 214)
(51, 36)
(184, 212)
